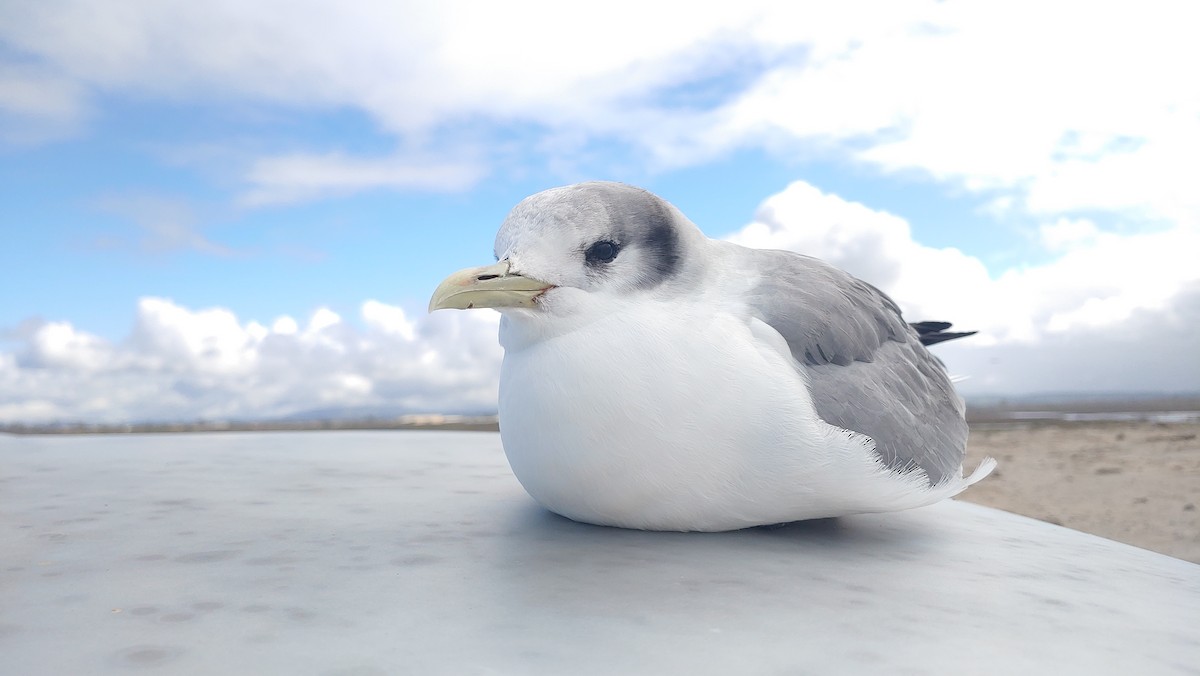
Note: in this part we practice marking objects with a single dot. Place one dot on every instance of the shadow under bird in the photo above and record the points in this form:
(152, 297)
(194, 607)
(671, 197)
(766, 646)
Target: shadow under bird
(655, 378)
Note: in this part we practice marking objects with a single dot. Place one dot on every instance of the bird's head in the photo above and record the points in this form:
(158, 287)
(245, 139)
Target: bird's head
(566, 247)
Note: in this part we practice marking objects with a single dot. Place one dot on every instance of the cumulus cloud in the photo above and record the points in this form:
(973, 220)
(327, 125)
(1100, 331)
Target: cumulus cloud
(1110, 311)
(389, 319)
(185, 364)
(59, 345)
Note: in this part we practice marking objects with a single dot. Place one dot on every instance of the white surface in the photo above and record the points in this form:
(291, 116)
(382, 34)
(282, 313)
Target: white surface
(417, 552)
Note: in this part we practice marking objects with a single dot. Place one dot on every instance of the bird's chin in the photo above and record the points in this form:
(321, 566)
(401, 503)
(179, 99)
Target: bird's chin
(522, 314)
(556, 301)
(559, 311)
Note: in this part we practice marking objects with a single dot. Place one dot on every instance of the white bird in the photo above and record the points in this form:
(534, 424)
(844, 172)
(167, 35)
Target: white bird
(655, 378)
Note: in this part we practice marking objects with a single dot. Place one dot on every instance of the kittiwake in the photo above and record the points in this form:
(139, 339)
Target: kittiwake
(654, 378)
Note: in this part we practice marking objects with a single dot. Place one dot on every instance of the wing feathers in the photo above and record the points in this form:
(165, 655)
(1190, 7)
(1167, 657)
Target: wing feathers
(867, 368)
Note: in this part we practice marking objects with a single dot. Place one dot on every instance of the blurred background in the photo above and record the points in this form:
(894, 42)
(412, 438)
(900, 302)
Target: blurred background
(237, 211)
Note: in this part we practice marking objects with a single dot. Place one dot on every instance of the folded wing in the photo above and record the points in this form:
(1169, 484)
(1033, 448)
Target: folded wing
(867, 368)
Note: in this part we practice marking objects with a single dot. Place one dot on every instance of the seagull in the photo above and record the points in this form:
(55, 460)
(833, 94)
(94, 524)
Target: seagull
(656, 379)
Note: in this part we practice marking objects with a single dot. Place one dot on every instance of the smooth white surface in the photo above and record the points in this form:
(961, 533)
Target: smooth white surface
(417, 552)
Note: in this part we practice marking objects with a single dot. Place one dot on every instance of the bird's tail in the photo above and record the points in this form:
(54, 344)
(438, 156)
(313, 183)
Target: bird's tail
(932, 333)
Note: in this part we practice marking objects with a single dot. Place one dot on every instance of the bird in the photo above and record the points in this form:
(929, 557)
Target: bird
(654, 378)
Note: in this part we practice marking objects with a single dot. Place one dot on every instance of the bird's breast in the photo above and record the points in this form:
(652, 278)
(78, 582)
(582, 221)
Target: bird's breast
(651, 411)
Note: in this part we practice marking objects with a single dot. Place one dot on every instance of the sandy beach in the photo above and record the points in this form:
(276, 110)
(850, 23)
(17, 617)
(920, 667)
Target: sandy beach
(1134, 482)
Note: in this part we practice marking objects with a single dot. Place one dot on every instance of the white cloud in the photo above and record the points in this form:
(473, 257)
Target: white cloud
(991, 97)
(294, 178)
(37, 105)
(1110, 312)
(1058, 109)
(1152, 350)
(1066, 233)
(184, 364)
(409, 65)
(175, 338)
(1106, 296)
(60, 345)
(285, 326)
(388, 319)
(322, 319)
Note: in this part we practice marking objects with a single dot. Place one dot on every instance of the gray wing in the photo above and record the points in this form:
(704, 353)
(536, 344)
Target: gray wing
(867, 368)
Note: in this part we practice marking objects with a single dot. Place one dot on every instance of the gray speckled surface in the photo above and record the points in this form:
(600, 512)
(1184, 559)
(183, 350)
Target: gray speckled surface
(417, 552)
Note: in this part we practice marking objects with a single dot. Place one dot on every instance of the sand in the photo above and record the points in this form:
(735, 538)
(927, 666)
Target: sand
(1134, 482)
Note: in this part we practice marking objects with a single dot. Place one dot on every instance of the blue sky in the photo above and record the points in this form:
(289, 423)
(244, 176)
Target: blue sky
(82, 209)
(175, 179)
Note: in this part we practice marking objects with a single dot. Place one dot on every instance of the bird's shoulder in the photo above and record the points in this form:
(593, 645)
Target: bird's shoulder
(827, 315)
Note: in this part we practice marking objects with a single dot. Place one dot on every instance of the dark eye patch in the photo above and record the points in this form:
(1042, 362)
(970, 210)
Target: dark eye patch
(601, 252)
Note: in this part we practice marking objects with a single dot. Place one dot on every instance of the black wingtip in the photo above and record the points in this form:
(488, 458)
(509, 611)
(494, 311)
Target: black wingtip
(932, 333)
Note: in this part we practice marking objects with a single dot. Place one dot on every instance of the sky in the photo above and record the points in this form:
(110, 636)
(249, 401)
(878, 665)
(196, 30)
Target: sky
(239, 210)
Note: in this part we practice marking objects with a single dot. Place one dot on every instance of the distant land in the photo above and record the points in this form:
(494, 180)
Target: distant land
(1117, 407)
(404, 422)
(1124, 407)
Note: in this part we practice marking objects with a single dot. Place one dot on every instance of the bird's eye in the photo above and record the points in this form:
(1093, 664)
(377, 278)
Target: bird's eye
(601, 252)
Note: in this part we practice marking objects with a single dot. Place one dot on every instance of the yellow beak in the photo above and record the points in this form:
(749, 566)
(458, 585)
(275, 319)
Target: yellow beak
(490, 286)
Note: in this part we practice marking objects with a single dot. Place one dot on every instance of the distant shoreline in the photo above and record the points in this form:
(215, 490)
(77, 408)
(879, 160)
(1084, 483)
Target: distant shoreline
(1158, 408)
(485, 424)
(1173, 410)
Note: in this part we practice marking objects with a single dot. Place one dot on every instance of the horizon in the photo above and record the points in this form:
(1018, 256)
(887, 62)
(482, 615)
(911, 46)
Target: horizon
(210, 214)
(1059, 407)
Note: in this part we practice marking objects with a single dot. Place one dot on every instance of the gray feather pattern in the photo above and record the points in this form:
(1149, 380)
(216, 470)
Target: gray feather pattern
(867, 368)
